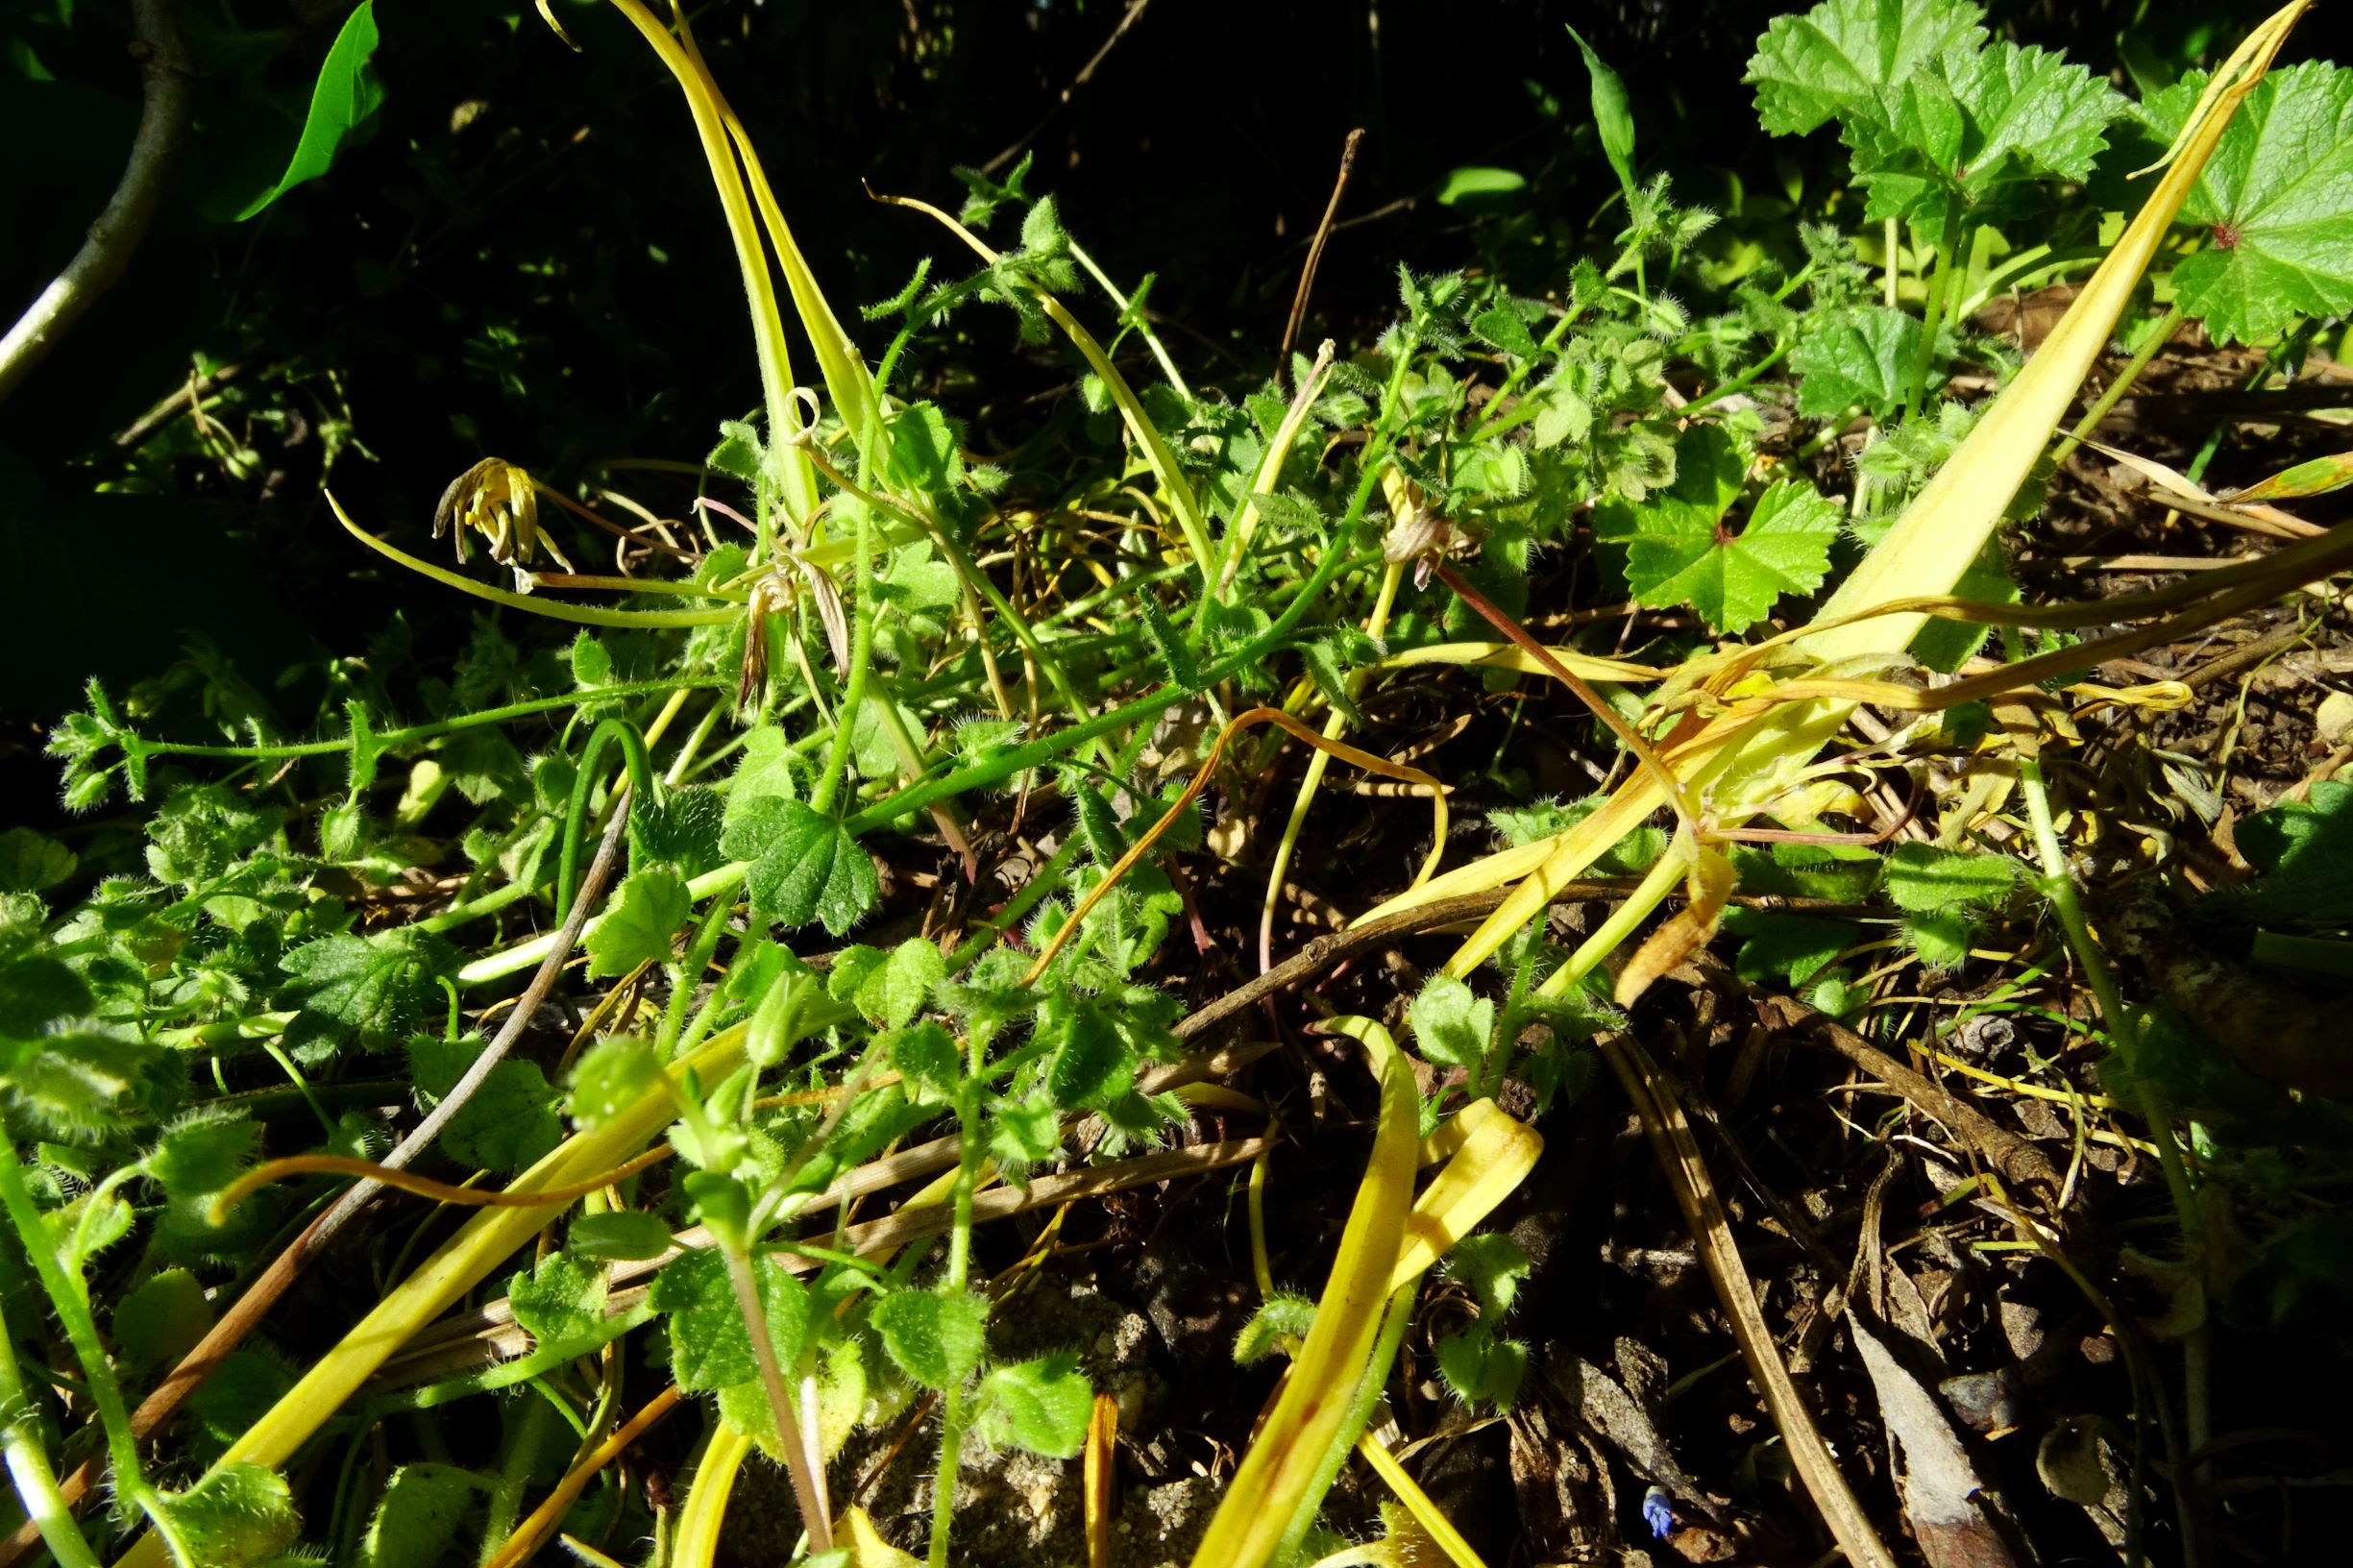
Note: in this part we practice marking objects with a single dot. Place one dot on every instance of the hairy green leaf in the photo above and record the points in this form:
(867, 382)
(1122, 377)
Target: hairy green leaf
(562, 1298)
(1493, 1265)
(709, 1345)
(32, 862)
(159, 1319)
(639, 925)
(237, 1516)
(1613, 116)
(933, 1338)
(1859, 356)
(900, 987)
(1923, 879)
(1042, 1405)
(804, 865)
(1480, 1368)
(612, 1075)
(2303, 852)
(1451, 1024)
(623, 1234)
(683, 827)
(1840, 55)
(364, 990)
(419, 1518)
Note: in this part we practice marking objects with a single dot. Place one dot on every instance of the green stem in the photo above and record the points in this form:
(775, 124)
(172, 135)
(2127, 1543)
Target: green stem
(1939, 289)
(959, 1273)
(69, 1299)
(2058, 887)
(1047, 664)
(807, 1489)
(29, 1467)
(445, 726)
(1519, 372)
(541, 1361)
(1041, 882)
(1742, 382)
(1395, 1319)
(861, 663)
(294, 1075)
(2159, 337)
(474, 909)
(583, 786)
(1151, 338)
(686, 976)
(981, 775)
(953, 1425)
(972, 576)
(521, 1454)
(2026, 270)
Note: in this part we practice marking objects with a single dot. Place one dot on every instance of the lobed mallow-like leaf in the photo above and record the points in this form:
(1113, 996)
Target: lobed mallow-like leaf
(1860, 356)
(2274, 202)
(1680, 550)
(366, 990)
(1969, 125)
(1820, 66)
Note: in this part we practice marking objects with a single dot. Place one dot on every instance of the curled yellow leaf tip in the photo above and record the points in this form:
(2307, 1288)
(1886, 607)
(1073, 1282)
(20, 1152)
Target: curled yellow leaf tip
(547, 15)
(2264, 42)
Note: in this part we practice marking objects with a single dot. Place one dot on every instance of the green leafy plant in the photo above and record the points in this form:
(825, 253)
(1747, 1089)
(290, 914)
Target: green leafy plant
(834, 703)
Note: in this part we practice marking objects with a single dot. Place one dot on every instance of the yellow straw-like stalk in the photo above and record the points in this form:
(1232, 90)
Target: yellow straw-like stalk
(462, 1263)
(1740, 765)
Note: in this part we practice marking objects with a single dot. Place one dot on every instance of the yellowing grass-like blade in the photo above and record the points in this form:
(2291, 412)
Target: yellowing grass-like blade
(1710, 885)
(1496, 1155)
(696, 1541)
(1741, 767)
(1512, 656)
(462, 1263)
(1942, 530)
(1277, 1472)
(1163, 461)
(711, 114)
(1270, 467)
(847, 376)
(2316, 478)
(1548, 866)
(1426, 1514)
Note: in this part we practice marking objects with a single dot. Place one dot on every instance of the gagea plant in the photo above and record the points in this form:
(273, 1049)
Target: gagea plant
(855, 826)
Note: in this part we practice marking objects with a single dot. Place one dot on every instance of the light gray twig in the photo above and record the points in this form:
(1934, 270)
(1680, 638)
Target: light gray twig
(599, 870)
(167, 79)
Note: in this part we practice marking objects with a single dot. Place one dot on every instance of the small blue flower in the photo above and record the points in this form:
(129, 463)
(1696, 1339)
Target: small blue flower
(1658, 1512)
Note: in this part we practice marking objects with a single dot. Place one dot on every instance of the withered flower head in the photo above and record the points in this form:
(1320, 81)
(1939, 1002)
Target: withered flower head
(501, 502)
